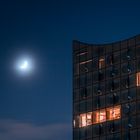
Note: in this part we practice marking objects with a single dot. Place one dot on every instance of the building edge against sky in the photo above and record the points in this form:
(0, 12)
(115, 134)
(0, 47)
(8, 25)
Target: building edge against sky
(106, 90)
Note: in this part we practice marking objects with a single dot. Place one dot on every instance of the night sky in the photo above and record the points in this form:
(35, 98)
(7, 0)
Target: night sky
(38, 106)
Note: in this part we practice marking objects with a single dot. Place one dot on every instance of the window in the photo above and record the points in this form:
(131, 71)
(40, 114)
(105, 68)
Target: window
(101, 63)
(99, 116)
(138, 79)
(85, 119)
(89, 118)
(113, 113)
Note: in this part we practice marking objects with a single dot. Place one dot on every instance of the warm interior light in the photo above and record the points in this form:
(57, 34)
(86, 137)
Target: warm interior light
(103, 115)
(113, 113)
(100, 116)
(89, 118)
(101, 63)
(83, 120)
(138, 79)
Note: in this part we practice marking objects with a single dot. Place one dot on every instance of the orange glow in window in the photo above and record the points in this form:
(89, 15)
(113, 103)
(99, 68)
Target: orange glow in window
(103, 115)
(101, 63)
(83, 120)
(113, 113)
(89, 118)
(138, 79)
(100, 116)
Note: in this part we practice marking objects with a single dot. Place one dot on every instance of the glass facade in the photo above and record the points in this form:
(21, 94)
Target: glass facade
(106, 90)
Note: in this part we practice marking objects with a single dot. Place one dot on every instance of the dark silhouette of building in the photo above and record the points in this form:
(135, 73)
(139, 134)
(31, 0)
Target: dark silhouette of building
(106, 90)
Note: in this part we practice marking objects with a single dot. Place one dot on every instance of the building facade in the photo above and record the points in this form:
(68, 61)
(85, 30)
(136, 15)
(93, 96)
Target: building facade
(106, 90)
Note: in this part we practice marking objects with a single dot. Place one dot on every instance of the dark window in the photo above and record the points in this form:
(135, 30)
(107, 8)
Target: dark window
(76, 95)
(82, 80)
(101, 51)
(138, 51)
(82, 106)
(89, 78)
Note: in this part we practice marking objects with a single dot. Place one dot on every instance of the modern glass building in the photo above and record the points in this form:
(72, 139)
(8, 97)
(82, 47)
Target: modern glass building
(106, 90)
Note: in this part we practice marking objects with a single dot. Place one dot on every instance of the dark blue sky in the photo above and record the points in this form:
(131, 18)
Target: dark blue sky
(39, 106)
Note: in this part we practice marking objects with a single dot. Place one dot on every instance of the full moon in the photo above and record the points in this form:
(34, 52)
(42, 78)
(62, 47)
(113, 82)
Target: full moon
(24, 65)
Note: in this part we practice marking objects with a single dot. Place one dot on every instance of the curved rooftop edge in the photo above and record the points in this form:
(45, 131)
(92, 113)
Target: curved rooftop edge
(135, 38)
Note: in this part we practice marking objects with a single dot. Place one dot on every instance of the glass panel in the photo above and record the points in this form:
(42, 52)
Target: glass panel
(82, 80)
(133, 135)
(89, 66)
(138, 51)
(89, 105)
(82, 55)
(124, 95)
(89, 50)
(99, 116)
(108, 48)
(101, 63)
(116, 46)
(76, 95)
(83, 121)
(95, 89)
(95, 77)
(116, 57)
(101, 50)
(117, 125)
(138, 39)
(128, 54)
(124, 44)
(83, 68)
(95, 51)
(82, 106)
(138, 79)
(110, 127)
(132, 94)
(101, 75)
(76, 122)
(95, 130)
(128, 68)
(82, 134)
(131, 42)
(132, 80)
(83, 93)
(76, 69)
(138, 65)
(76, 134)
(125, 82)
(89, 118)
(89, 132)
(102, 101)
(76, 82)
(113, 113)
(76, 108)
(112, 98)
(95, 64)
(89, 78)
(109, 59)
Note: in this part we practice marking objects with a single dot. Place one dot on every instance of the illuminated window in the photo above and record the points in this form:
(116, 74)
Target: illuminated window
(103, 115)
(74, 123)
(99, 116)
(83, 120)
(138, 79)
(101, 63)
(113, 113)
(89, 118)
